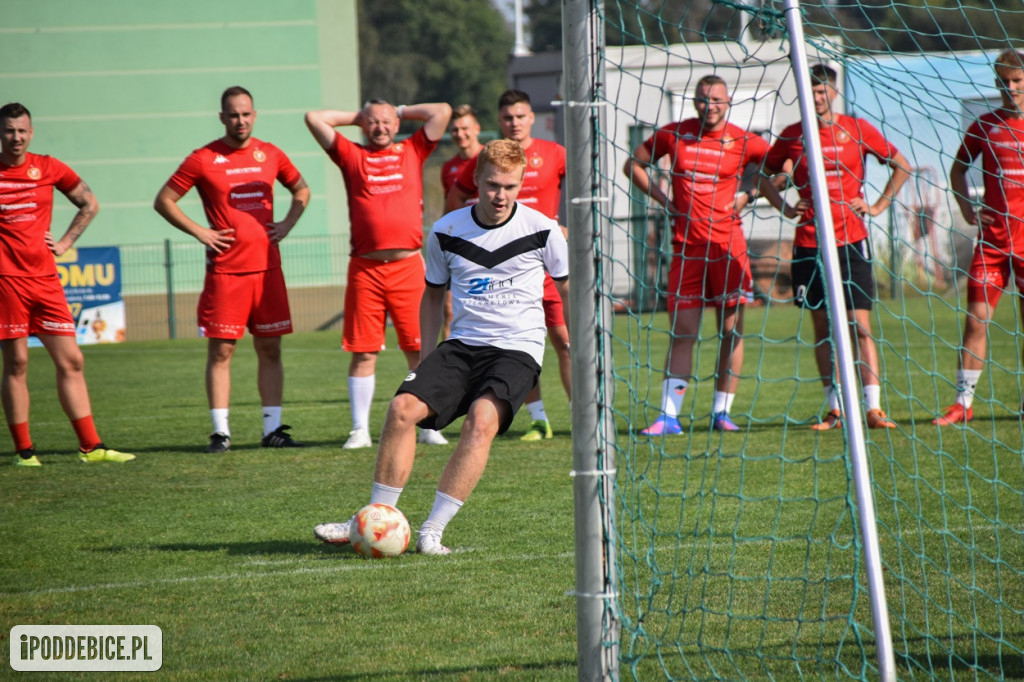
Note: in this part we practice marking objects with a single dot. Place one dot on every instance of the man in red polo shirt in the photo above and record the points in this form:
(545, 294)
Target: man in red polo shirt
(542, 190)
(845, 142)
(244, 285)
(465, 133)
(31, 296)
(998, 139)
(710, 265)
(384, 182)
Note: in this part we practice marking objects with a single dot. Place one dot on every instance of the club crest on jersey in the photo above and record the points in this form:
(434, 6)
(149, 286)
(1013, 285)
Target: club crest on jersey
(536, 161)
(728, 142)
(34, 173)
(259, 155)
(398, 146)
(842, 136)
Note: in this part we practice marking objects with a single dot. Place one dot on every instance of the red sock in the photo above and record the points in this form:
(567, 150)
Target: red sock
(22, 441)
(85, 429)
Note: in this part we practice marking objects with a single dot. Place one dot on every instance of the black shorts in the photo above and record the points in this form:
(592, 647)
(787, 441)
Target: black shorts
(854, 267)
(456, 374)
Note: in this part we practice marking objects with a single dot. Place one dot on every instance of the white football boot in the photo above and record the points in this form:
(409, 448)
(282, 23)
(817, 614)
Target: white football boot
(358, 438)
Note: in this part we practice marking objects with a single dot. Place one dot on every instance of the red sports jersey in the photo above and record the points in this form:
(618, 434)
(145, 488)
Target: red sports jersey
(542, 182)
(706, 171)
(385, 192)
(237, 190)
(844, 146)
(26, 207)
(999, 141)
(450, 170)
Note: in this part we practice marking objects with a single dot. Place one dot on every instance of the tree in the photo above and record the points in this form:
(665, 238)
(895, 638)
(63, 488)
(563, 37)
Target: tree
(451, 51)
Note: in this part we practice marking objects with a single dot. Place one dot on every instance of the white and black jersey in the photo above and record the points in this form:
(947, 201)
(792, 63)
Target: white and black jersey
(496, 275)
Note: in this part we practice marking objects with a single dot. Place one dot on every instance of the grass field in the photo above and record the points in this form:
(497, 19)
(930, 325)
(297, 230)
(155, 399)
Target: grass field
(737, 553)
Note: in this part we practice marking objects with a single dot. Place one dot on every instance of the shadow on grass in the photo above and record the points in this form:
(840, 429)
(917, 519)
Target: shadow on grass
(460, 673)
(256, 548)
(1008, 666)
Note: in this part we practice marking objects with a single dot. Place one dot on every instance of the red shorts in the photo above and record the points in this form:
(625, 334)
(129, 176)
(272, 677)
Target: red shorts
(34, 305)
(377, 290)
(989, 273)
(709, 274)
(554, 316)
(230, 303)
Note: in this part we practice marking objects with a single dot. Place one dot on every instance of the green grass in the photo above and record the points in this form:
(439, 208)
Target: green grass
(737, 553)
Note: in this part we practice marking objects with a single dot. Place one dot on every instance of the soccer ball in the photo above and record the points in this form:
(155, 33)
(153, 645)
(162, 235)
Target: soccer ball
(379, 530)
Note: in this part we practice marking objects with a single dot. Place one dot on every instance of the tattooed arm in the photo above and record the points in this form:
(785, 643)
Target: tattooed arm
(82, 197)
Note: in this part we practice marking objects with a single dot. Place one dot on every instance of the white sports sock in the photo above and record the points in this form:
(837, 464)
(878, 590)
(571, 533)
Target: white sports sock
(219, 417)
(872, 396)
(966, 384)
(271, 419)
(721, 402)
(672, 391)
(832, 397)
(384, 494)
(537, 412)
(360, 397)
(445, 508)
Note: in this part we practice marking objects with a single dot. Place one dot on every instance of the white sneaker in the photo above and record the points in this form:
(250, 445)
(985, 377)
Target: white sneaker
(432, 437)
(430, 544)
(358, 438)
(333, 533)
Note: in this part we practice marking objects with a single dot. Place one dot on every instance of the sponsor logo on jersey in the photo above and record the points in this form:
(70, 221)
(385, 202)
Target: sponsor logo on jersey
(17, 207)
(247, 169)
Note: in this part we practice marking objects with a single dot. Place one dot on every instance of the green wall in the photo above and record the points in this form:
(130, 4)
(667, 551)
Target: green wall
(123, 90)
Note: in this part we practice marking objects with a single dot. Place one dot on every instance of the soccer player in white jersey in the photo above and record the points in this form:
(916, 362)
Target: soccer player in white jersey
(494, 256)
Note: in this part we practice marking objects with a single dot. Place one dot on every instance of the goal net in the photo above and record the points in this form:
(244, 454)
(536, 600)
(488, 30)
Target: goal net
(739, 553)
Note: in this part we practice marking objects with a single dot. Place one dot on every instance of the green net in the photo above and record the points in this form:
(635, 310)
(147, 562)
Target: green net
(739, 554)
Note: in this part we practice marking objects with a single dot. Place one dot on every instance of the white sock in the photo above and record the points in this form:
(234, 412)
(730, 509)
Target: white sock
(721, 402)
(832, 397)
(360, 397)
(537, 412)
(729, 397)
(966, 383)
(384, 494)
(873, 396)
(445, 508)
(672, 391)
(271, 419)
(219, 417)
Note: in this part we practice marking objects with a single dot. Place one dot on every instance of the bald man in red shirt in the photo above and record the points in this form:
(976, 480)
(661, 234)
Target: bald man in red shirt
(384, 181)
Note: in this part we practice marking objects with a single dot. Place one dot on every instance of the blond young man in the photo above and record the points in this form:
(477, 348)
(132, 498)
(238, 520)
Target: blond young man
(494, 256)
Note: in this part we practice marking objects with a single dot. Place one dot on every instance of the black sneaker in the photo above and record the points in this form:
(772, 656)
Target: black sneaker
(279, 439)
(219, 442)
